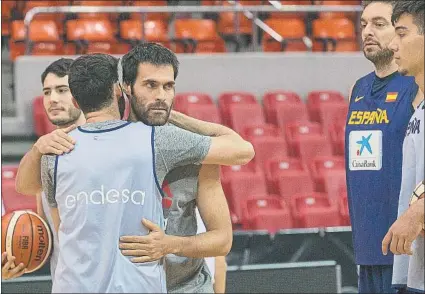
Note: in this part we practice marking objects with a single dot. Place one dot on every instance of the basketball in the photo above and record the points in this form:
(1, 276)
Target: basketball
(26, 236)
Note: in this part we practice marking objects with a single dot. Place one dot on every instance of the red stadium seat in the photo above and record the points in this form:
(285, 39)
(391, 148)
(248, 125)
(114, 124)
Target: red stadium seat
(197, 105)
(183, 100)
(57, 17)
(266, 213)
(292, 30)
(292, 15)
(334, 14)
(306, 141)
(316, 98)
(205, 112)
(288, 176)
(273, 98)
(331, 112)
(229, 98)
(98, 34)
(241, 183)
(8, 172)
(6, 15)
(239, 113)
(16, 41)
(295, 130)
(228, 171)
(203, 32)
(263, 130)
(335, 183)
(11, 199)
(6, 9)
(320, 168)
(288, 113)
(337, 136)
(267, 141)
(150, 16)
(43, 35)
(42, 124)
(97, 15)
(312, 146)
(210, 2)
(343, 209)
(334, 35)
(226, 22)
(314, 210)
(45, 38)
(90, 30)
(167, 201)
(155, 31)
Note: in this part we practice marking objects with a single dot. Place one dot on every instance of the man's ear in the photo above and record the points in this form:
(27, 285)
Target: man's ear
(75, 103)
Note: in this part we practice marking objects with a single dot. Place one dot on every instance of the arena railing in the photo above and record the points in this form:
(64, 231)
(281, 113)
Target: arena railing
(249, 11)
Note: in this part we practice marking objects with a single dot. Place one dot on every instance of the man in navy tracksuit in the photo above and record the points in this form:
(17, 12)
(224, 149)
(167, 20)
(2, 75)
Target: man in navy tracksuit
(381, 104)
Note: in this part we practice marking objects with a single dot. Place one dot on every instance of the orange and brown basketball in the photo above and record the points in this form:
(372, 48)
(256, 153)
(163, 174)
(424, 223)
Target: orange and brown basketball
(25, 235)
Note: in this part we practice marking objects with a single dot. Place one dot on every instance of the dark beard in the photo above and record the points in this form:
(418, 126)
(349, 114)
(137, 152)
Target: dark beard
(382, 58)
(73, 114)
(142, 114)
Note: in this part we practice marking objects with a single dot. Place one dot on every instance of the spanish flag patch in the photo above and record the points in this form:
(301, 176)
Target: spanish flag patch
(391, 97)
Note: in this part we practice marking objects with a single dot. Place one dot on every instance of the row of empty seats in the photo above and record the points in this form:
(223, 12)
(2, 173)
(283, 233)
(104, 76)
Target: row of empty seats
(284, 124)
(191, 36)
(53, 34)
(253, 211)
(285, 179)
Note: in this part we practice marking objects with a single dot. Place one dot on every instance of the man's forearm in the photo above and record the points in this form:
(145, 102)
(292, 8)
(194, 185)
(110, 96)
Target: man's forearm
(199, 126)
(28, 178)
(417, 210)
(220, 274)
(211, 243)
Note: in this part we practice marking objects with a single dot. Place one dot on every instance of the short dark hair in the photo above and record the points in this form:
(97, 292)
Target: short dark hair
(59, 68)
(366, 3)
(148, 52)
(414, 8)
(91, 81)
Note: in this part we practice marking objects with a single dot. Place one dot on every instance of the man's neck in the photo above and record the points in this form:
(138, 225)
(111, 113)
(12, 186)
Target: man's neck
(419, 79)
(383, 71)
(132, 116)
(110, 113)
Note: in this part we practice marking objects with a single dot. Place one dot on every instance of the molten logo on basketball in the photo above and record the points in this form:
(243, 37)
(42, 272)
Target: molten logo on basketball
(41, 243)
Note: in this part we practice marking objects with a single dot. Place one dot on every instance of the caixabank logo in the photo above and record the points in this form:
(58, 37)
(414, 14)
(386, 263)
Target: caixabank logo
(365, 150)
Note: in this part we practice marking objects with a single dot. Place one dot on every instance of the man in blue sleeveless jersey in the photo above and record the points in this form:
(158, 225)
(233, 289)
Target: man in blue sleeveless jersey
(379, 112)
(408, 47)
(220, 237)
(91, 81)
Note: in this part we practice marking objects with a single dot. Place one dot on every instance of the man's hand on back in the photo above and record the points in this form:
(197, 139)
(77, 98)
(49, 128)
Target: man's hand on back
(146, 248)
(57, 142)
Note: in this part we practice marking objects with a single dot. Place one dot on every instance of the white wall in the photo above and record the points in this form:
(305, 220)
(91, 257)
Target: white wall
(213, 74)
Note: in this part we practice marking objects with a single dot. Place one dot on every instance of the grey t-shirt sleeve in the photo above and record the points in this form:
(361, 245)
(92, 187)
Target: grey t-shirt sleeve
(176, 147)
(47, 178)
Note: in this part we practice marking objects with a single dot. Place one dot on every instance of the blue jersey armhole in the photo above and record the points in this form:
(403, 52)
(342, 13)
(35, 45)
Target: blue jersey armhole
(55, 175)
(154, 162)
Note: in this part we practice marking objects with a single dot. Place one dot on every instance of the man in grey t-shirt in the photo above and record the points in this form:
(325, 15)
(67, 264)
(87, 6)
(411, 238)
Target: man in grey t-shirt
(191, 186)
